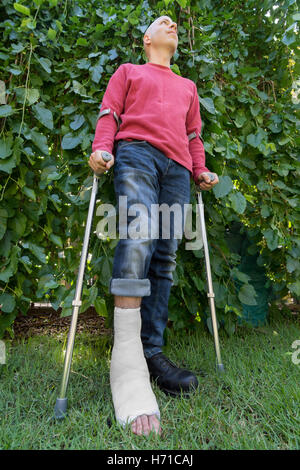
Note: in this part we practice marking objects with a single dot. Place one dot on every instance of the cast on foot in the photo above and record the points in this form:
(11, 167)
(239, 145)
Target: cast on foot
(133, 397)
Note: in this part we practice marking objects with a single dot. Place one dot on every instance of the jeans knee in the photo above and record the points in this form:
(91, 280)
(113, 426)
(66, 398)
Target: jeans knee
(130, 267)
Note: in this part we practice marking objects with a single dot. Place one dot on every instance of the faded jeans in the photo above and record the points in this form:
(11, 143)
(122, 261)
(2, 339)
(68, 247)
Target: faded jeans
(143, 267)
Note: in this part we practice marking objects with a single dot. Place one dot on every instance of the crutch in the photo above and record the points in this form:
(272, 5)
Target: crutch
(210, 294)
(62, 402)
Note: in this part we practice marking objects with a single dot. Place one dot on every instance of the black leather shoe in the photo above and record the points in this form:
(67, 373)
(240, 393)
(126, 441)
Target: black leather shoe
(170, 378)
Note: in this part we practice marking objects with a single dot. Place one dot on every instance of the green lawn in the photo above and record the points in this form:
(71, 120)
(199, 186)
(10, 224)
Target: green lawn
(255, 405)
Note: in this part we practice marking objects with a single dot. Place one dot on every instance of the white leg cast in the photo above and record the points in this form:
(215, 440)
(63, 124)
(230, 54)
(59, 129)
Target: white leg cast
(129, 375)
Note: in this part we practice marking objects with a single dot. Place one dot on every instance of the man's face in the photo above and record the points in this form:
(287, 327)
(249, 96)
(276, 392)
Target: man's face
(162, 32)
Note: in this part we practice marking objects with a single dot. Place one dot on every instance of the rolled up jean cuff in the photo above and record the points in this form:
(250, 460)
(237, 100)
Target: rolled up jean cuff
(130, 287)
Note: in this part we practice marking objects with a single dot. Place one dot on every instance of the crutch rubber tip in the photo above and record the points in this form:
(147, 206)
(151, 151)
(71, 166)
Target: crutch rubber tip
(221, 368)
(60, 409)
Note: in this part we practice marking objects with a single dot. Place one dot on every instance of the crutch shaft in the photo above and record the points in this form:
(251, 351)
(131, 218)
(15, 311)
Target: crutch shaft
(210, 293)
(61, 402)
(77, 299)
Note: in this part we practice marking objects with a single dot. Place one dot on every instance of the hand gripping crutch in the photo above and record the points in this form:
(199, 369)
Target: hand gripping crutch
(61, 402)
(210, 294)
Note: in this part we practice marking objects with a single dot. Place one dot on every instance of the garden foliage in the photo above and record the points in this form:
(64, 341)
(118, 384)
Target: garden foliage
(56, 60)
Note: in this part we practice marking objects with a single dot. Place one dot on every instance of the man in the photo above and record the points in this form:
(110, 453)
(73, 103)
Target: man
(157, 147)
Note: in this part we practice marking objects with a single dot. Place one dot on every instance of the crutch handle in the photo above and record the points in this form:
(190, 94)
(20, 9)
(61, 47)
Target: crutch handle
(211, 176)
(106, 156)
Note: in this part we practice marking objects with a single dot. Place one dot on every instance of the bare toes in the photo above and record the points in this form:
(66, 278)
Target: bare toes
(154, 424)
(133, 426)
(144, 424)
(136, 426)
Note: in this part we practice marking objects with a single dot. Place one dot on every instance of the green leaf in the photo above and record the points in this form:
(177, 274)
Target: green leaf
(45, 63)
(6, 321)
(6, 165)
(292, 264)
(51, 34)
(265, 211)
(198, 283)
(70, 141)
(33, 95)
(176, 69)
(68, 110)
(238, 202)
(235, 273)
(43, 115)
(271, 238)
(50, 173)
(229, 326)
(11, 268)
(96, 71)
(208, 104)
(3, 226)
(100, 307)
(17, 48)
(5, 147)
(6, 110)
(289, 38)
(59, 25)
(79, 119)
(82, 42)
(79, 89)
(56, 240)
(105, 273)
(26, 263)
(90, 299)
(254, 140)
(210, 325)
(38, 251)
(182, 3)
(295, 288)
(240, 119)
(15, 70)
(224, 186)
(84, 64)
(191, 303)
(46, 282)
(22, 9)
(18, 224)
(247, 295)
(40, 141)
(8, 302)
(29, 193)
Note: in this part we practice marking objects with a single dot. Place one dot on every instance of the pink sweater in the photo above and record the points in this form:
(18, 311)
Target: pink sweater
(156, 105)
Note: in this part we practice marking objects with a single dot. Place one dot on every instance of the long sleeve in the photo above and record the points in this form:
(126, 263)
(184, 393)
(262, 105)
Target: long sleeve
(196, 147)
(113, 98)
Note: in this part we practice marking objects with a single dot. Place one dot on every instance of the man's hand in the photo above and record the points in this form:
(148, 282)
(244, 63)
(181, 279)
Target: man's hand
(97, 164)
(205, 182)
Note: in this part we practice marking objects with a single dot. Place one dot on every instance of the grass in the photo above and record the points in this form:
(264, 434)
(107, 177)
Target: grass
(255, 405)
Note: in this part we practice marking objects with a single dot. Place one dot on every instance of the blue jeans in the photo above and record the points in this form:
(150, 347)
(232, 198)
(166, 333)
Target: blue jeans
(143, 267)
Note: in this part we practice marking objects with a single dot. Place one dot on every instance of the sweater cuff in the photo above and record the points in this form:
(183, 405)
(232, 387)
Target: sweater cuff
(103, 148)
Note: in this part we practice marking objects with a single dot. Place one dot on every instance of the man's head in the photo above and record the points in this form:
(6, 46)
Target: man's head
(161, 35)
